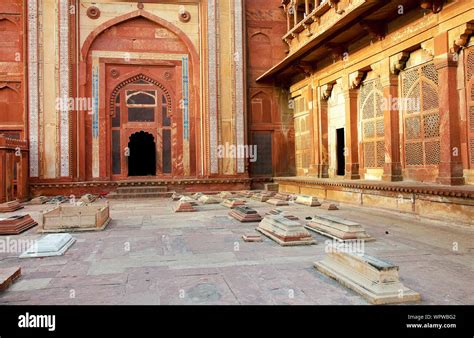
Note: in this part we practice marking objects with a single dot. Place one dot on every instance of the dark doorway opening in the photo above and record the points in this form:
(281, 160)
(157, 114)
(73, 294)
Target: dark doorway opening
(340, 152)
(142, 159)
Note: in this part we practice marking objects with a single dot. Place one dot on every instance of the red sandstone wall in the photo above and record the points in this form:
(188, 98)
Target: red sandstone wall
(12, 86)
(267, 105)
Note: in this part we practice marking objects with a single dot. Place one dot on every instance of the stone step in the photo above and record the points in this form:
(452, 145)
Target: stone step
(141, 189)
(114, 195)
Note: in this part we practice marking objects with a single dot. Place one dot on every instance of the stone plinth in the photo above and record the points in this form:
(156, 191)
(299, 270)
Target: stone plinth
(284, 231)
(329, 206)
(246, 193)
(10, 206)
(225, 194)
(263, 196)
(206, 199)
(184, 207)
(189, 200)
(8, 276)
(76, 218)
(233, 203)
(374, 279)
(338, 228)
(16, 224)
(283, 213)
(310, 201)
(245, 214)
(277, 202)
(88, 198)
(39, 200)
(49, 245)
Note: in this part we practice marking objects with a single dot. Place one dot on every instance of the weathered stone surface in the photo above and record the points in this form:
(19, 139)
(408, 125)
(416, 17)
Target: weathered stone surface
(207, 199)
(245, 214)
(189, 200)
(16, 224)
(277, 202)
(284, 231)
(246, 193)
(184, 207)
(176, 197)
(338, 228)
(88, 198)
(197, 195)
(233, 203)
(225, 194)
(252, 238)
(10, 206)
(76, 218)
(49, 245)
(271, 187)
(374, 279)
(57, 200)
(330, 206)
(8, 276)
(310, 201)
(283, 197)
(261, 197)
(39, 200)
(285, 214)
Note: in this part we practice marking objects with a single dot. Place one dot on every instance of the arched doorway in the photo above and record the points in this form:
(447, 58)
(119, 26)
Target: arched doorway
(142, 155)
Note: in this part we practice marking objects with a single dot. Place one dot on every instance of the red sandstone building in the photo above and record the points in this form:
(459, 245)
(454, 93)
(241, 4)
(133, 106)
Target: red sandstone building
(358, 101)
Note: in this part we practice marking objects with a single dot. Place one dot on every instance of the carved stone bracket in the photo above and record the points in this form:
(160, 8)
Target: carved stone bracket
(376, 29)
(337, 51)
(466, 32)
(326, 91)
(356, 79)
(334, 4)
(433, 5)
(304, 67)
(398, 62)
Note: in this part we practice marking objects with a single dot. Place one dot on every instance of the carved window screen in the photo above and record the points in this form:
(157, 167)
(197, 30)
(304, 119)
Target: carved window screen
(372, 123)
(302, 136)
(470, 101)
(421, 120)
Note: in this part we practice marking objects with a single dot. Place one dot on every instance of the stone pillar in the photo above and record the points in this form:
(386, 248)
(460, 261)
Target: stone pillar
(450, 167)
(315, 135)
(22, 177)
(352, 142)
(3, 177)
(323, 153)
(392, 170)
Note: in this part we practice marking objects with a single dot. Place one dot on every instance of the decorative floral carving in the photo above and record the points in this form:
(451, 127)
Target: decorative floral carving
(93, 12)
(184, 16)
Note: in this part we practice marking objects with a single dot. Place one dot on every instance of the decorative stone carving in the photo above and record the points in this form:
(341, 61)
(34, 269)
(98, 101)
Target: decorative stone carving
(356, 79)
(93, 12)
(326, 91)
(466, 32)
(284, 231)
(184, 16)
(398, 62)
(374, 279)
(49, 245)
(338, 228)
(114, 73)
(16, 224)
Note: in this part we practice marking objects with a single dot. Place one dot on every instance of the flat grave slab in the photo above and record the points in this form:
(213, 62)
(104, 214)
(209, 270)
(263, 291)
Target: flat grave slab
(309, 201)
(338, 228)
(49, 245)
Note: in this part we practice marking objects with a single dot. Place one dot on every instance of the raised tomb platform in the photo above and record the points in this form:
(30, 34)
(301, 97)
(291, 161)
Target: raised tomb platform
(233, 203)
(245, 214)
(309, 201)
(76, 218)
(184, 207)
(189, 200)
(10, 206)
(284, 231)
(8, 276)
(88, 198)
(338, 228)
(15, 225)
(39, 200)
(285, 214)
(207, 199)
(176, 197)
(374, 279)
(277, 202)
(263, 196)
(49, 246)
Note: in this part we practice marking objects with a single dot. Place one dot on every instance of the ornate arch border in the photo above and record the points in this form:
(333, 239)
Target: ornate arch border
(132, 79)
(136, 14)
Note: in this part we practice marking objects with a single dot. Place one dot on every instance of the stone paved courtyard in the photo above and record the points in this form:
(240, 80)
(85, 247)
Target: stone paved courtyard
(150, 255)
